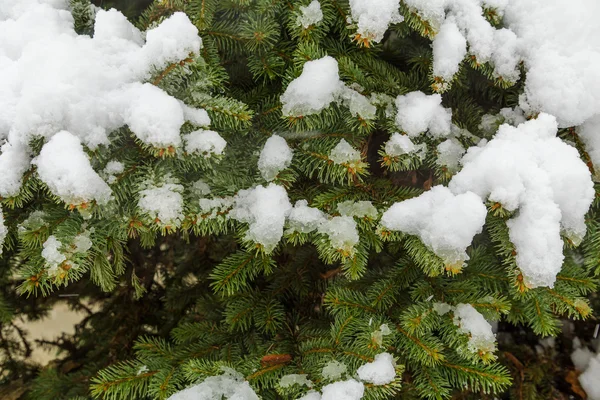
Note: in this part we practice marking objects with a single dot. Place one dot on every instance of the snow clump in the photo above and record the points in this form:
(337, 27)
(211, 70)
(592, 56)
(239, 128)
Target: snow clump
(295, 379)
(445, 223)
(65, 168)
(588, 363)
(275, 156)
(379, 372)
(265, 210)
(529, 169)
(305, 219)
(419, 113)
(344, 390)
(229, 386)
(163, 203)
(473, 324)
(399, 145)
(343, 153)
(374, 16)
(334, 370)
(342, 233)
(96, 85)
(310, 14)
(360, 209)
(204, 142)
(318, 86)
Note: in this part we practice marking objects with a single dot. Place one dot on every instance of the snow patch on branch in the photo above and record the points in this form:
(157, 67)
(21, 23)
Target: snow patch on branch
(527, 168)
(65, 168)
(379, 372)
(374, 16)
(446, 223)
(163, 203)
(229, 386)
(95, 83)
(204, 142)
(419, 113)
(310, 14)
(472, 323)
(265, 210)
(275, 156)
(318, 86)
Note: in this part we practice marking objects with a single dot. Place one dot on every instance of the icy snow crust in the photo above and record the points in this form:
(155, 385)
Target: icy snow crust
(96, 86)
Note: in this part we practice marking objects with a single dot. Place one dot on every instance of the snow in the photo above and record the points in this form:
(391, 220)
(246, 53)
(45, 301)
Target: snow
(334, 370)
(275, 156)
(343, 153)
(111, 25)
(473, 324)
(589, 132)
(588, 363)
(399, 145)
(562, 78)
(64, 167)
(314, 90)
(418, 113)
(379, 372)
(527, 168)
(82, 243)
(160, 129)
(295, 379)
(374, 16)
(163, 203)
(229, 386)
(378, 335)
(581, 356)
(14, 161)
(344, 390)
(209, 208)
(112, 169)
(311, 395)
(559, 60)
(318, 86)
(52, 255)
(204, 142)
(265, 210)
(171, 41)
(446, 223)
(34, 221)
(360, 209)
(358, 104)
(305, 219)
(449, 49)
(3, 231)
(590, 379)
(200, 188)
(95, 83)
(196, 116)
(342, 233)
(442, 308)
(450, 152)
(310, 14)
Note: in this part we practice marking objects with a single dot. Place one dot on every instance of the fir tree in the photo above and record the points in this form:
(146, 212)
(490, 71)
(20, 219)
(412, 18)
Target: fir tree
(264, 237)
